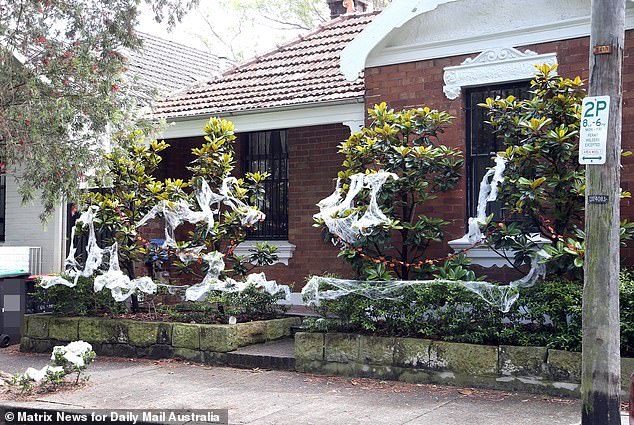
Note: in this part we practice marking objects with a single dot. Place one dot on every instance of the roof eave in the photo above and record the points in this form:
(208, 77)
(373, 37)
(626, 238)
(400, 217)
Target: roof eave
(294, 107)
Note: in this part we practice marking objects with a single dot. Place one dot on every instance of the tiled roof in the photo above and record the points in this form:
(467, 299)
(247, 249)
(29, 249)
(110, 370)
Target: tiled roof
(167, 66)
(301, 72)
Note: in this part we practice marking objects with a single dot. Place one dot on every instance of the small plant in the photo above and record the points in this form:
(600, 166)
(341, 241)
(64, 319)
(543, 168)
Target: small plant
(81, 300)
(23, 381)
(72, 358)
(250, 304)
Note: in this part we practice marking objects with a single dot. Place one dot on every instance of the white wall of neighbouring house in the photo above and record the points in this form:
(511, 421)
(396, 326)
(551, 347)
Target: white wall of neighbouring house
(24, 228)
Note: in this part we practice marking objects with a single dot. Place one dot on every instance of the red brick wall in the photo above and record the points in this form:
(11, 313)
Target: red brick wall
(420, 83)
(313, 166)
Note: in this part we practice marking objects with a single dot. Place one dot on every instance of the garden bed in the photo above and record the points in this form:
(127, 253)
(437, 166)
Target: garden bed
(504, 367)
(132, 338)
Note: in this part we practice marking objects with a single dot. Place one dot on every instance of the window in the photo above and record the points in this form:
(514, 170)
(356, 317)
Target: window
(104, 237)
(3, 206)
(482, 143)
(267, 151)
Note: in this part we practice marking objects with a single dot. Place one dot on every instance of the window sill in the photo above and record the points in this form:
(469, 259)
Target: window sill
(285, 249)
(486, 257)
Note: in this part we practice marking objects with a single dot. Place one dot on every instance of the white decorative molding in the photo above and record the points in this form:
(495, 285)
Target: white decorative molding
(273, 118)
(496, 65)
(396, 14)
(285, 249)
(354, 125)
(468, 27)
(486, 257)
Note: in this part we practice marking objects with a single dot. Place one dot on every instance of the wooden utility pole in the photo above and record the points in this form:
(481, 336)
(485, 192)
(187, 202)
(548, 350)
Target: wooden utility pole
(600, 375)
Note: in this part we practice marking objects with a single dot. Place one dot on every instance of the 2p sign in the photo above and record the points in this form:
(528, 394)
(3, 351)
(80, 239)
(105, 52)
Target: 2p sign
(593, 136)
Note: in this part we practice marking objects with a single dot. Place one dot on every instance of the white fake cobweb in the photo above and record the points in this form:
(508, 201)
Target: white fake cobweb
(175, 213)
(342, 220)
(340, 215)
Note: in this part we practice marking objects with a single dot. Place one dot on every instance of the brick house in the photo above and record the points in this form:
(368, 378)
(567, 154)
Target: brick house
(291, 107)
(453, 54)
(445, 54)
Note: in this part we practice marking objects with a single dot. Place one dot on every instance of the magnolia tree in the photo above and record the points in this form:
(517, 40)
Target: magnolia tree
(405, 144)
(544, 185)
(132, 195)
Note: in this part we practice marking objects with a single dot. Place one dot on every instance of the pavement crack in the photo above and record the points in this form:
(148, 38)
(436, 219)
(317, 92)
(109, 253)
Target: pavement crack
(41, 400)
(428, 412)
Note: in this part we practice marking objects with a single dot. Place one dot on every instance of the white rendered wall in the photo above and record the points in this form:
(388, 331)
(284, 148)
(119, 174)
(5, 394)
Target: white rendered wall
(24, 228)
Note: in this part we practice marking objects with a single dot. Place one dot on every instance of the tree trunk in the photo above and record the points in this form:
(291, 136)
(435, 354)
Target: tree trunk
(129, 265)
(600, 375)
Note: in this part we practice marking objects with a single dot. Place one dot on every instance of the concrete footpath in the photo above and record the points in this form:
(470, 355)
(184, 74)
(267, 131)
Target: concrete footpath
(275, 397)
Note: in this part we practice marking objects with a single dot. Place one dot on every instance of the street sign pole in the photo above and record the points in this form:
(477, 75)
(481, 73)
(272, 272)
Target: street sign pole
(600, 376)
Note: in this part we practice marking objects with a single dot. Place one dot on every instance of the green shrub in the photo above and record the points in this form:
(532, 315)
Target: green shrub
(81, 300)
(547, 314)
(627, 313)
(249, 304)
(405, 143)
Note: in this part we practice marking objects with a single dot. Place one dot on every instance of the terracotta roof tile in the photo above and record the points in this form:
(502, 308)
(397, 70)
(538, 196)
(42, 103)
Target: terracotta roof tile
(303, 71)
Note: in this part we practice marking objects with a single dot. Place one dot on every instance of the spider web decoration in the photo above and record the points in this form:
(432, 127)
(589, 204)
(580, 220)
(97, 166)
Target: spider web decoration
(344, 221)
(175, 213)
(340, 215)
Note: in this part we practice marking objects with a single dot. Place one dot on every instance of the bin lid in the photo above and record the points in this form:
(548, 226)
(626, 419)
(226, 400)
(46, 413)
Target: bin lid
(13, 272)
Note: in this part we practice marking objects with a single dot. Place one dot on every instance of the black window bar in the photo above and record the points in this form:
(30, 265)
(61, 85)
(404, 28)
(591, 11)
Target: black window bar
(267, 151)
(3, 207)
(482, 142)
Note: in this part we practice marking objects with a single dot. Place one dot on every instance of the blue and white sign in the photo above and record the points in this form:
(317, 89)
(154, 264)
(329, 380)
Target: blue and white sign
(593, 135)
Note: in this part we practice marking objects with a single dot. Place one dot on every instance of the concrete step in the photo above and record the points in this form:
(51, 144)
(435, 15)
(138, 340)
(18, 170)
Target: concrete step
(277, 355)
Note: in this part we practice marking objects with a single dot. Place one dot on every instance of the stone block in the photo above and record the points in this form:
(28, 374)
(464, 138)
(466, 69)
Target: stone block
(214, 358)
(44, 345)
(64, 328)
(160, 351)
(280, 328)
(564, 366)
(106, 350)
(378, 371)
(115, 331)
(522, 360)
(309, 366)
(37, 325)
(96, 347)
(26, 344)
(463, 358)
(415, 376)
(309, 346)
(412, 352)
(376, 350)
(91, 330)
(341, 369)
(189, 354)
(124, 350)
(164, 333)
(251, 333)
(142, 334)
(186, 336)
(342, 348)
(218, 338)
